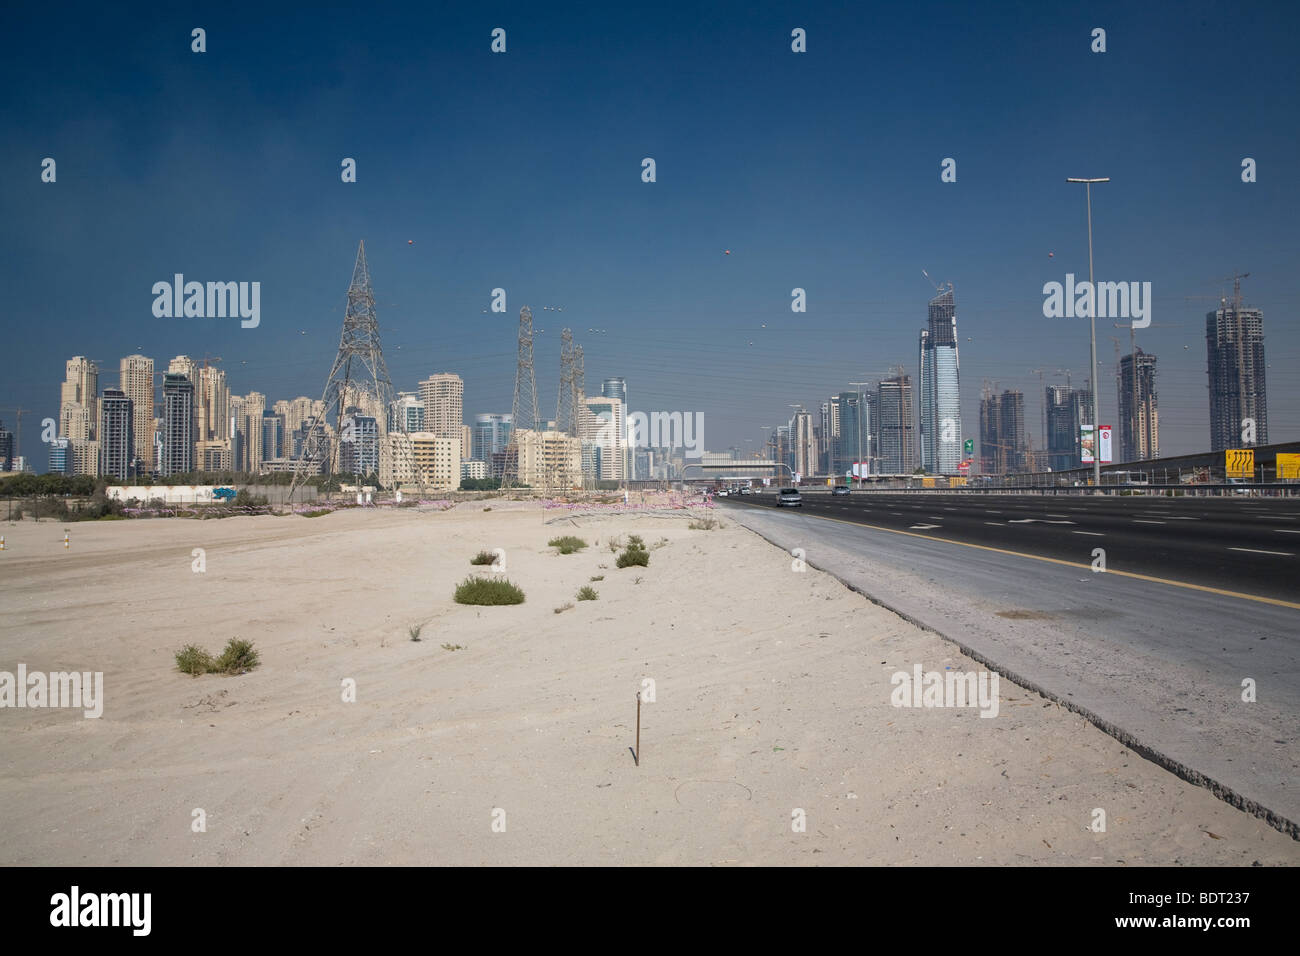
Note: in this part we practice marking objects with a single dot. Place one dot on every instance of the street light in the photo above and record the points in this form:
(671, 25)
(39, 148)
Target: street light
(1092, 323)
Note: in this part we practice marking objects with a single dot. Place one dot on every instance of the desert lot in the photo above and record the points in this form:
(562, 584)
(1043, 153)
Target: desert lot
(772, 704)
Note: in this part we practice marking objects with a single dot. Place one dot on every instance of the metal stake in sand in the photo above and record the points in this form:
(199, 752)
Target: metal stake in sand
(637, 756)
(65, 540)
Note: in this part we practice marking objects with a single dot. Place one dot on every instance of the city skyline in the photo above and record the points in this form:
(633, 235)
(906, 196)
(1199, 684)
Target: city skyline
(685, 283)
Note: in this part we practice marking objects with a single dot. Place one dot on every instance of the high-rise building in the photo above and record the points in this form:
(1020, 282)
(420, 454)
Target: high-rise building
(614, 388)
(359, 444)
(178, 425)
(406, 414)
(602, 427)
(6, 448)
(117, 446)
(272, 435)
(1003, 441)
(246, 421)
(136, 382)
(491, 435)
(940, 443)
(1234, 341)
(1139, 416)
(78, 412)
(548, 458)
(1062, 436)
(443, 396)
(61, 461)
(895, 430)
(803, 444)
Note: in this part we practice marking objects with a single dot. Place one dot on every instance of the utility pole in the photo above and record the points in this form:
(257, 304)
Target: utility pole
(1092, 323)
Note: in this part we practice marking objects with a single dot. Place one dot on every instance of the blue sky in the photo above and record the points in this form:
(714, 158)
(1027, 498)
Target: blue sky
(522, 170)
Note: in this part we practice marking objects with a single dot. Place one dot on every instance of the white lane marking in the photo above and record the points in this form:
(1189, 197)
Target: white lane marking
(1141, 521)
(1035, 521)
(922, 527)
(1095, 534)
(1284, 554)
(1286, 531)
(934, 517)
(1056, 516)
(987, 512)
(996, 524)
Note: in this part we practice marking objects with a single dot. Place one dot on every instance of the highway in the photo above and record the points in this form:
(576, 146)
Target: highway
(1250, 545)
(1154, 651)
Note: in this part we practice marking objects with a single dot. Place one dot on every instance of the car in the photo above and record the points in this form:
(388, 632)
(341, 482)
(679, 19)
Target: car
(789, 498)
(722, 492)
(840, 490)
(746, 491)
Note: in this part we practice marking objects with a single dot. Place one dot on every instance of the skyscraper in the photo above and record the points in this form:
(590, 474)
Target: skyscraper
(1003, 442)
(602, 426)
(803, 444)
(1234, 341)
(78, 419)
(940, 443)
(491, 435)
(443, 396)
(1139, 417)
(896, 433)
(136, 382)
(117, 434)
(1062, 433)
(614, 388)
(178, 425)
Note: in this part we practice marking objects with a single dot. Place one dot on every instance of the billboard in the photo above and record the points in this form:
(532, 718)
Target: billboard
(1103, 444)
(1087, 443)
(1288, 466)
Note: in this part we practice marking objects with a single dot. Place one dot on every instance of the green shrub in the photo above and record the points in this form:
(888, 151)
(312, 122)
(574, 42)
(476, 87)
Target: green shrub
(238, 657)
(564, 607)
(414, 631)
(193, 660)
(587, 593)
(704, 524)
(633, 556)
(598, 577)
(482, 558)
(453, 647)
(488, 591)
(567, 544)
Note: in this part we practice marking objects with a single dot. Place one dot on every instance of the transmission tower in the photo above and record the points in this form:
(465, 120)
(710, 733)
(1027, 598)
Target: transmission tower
(524, 414)
(359, 377)
(565, 410)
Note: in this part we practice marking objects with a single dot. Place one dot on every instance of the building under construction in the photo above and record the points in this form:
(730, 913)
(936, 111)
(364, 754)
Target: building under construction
(1234, 343)
(1139, 414)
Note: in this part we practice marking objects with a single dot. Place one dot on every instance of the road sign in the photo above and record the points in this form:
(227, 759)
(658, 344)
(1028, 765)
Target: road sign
(1103, 444)
(1288, 466)
(970, 447)
(1239, 462)
(964, 467)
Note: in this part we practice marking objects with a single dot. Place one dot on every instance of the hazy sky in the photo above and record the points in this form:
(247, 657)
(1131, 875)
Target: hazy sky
(522, 170)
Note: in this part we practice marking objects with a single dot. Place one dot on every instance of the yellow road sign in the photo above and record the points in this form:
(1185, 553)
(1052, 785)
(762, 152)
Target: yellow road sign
(1288, 465)
(1239, 462)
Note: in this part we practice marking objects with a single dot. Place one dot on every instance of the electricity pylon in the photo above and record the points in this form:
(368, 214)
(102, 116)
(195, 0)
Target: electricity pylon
(524, 414)
(359, 376)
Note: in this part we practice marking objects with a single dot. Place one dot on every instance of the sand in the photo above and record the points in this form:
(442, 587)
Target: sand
(772, 705)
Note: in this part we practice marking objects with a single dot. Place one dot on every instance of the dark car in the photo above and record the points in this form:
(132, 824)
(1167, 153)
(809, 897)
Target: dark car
(840, 490)
(789, 498)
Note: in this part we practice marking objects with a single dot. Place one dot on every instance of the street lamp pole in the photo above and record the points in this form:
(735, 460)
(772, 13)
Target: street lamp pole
(1092, 323)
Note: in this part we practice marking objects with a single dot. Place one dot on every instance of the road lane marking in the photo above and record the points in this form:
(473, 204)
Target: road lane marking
(1287, 530)
(1284, 554)
(1142, 521)
(1259, 599)
(1095, 534)
(923, 527)
(996, 524)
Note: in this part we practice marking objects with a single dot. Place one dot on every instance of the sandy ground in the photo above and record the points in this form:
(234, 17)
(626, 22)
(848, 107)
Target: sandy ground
(772, 696)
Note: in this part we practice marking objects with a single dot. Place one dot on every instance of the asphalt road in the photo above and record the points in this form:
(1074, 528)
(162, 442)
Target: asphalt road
(1156, 655)
(1248, 545)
